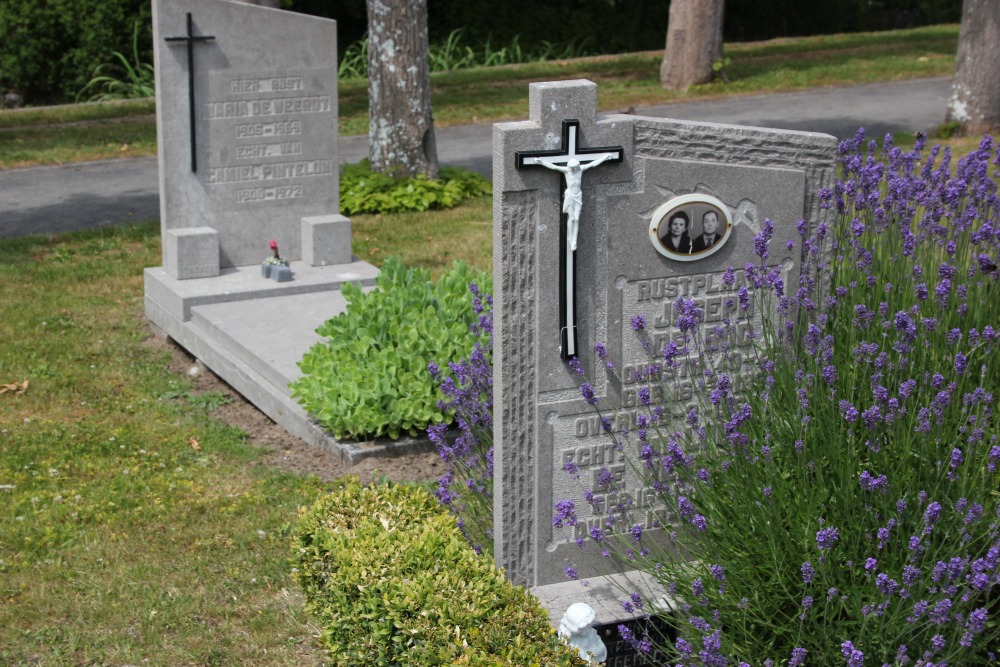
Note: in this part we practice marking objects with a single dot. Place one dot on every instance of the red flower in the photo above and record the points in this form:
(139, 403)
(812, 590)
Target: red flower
(273, 244)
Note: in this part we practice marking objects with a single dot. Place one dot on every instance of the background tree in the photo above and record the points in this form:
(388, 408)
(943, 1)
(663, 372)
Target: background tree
(400, 121)
(975, 96)
(694, 43)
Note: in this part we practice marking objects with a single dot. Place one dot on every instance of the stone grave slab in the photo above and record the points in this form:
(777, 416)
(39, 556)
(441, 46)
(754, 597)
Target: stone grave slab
(246, 102)
(724, 180)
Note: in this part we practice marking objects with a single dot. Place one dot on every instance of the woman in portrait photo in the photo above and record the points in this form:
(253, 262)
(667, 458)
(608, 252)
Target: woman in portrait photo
(677, 239)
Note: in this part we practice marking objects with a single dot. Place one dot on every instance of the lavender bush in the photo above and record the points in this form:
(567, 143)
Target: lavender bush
(467, 487)
(835, 502)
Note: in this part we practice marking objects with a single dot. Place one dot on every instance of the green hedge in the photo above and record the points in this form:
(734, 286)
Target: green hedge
(369, 378)
(392, 582)
(49, 50)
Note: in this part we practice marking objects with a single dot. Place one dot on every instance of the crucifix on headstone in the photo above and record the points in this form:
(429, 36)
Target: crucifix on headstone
(571, 161)
(191, 38)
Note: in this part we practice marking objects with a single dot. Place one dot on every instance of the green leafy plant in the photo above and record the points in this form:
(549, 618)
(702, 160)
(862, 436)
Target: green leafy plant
(451, 55)
(138, 80)
(365, 191)
(719, 68)
(392, 581)
(369, 378)
(209, 400)
(354, 62)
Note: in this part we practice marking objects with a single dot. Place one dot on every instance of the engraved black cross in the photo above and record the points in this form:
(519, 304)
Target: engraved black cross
(191, 38)
(560, 160)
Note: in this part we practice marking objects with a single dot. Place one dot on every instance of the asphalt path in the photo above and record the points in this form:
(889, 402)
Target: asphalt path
(45, 200)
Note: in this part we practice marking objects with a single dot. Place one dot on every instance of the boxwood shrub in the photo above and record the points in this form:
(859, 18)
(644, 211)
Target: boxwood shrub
(392, 582)
(369, 378)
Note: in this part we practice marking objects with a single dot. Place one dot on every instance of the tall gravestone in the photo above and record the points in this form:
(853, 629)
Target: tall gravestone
(715, 184)
(246, 101)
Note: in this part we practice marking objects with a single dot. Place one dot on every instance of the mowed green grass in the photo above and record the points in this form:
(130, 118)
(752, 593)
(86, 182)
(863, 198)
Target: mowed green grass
(478, 95)
(121, 540)
(134, 526)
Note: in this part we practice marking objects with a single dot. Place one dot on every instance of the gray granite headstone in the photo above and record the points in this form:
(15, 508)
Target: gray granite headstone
(742, 174)
(261, 153)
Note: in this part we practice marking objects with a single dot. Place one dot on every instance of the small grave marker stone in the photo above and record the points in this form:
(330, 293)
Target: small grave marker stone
(680, 204)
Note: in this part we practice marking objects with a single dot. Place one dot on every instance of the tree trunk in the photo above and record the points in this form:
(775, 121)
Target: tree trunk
(694, 42)
(975, 96)
(400, 121)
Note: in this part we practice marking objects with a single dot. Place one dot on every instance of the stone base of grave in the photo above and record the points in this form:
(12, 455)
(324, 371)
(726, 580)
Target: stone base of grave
(252, 331)
(603, 594)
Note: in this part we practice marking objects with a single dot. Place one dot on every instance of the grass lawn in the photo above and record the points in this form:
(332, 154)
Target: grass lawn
(133, 524)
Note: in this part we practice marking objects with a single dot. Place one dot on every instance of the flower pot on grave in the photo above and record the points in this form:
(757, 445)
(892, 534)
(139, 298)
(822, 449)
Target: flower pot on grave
(281, 274)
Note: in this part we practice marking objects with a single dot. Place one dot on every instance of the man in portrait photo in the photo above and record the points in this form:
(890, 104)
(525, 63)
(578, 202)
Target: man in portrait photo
(710, 232)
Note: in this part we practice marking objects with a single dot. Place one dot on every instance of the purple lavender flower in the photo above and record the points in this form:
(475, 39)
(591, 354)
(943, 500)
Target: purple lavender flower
(932, 514)
(565, 514)
(798, 657)
(588, 393)
(940, 614)
(961, 363)
(638, 322)
(854, 657)
(871, 483)
(643, 395)
(827, 537)
(807, 572)
(848, 411)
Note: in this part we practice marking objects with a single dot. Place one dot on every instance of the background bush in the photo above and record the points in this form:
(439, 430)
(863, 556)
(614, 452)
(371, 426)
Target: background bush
(370, 377)
(365, 191)
(49, 50)
(621, 26)
(393, 582)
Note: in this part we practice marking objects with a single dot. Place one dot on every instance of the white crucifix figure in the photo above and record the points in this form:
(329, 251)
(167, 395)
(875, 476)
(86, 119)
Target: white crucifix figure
(571, 161)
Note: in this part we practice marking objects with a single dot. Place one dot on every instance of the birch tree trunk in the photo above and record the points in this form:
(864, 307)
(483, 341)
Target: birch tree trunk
(694, 42)
(400, 120)
(975, 96)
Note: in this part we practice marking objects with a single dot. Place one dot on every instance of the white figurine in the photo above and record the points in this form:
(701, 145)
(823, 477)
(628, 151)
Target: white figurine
(573, 197)
(575, 628)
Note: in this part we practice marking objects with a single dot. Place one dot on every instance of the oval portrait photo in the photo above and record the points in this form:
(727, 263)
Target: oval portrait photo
(690, 227)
